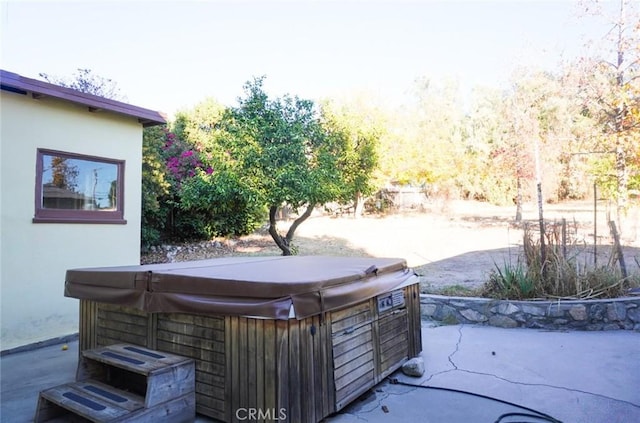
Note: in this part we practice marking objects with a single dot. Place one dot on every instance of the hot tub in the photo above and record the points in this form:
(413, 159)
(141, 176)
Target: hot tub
(274, 338)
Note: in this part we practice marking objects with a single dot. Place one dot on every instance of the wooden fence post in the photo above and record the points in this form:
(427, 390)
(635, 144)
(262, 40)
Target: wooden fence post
(618, 248)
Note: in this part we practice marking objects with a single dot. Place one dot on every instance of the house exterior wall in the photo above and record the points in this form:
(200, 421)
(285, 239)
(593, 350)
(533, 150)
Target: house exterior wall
(35, 256)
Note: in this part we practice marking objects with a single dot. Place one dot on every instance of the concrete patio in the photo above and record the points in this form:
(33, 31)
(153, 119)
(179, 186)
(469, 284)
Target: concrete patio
(473, 373)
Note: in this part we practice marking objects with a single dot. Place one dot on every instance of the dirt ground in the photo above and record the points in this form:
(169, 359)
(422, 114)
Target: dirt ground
(453, 243)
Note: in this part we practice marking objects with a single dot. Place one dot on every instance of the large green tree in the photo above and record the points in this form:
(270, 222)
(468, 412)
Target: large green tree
(230, 167)
(291, 159)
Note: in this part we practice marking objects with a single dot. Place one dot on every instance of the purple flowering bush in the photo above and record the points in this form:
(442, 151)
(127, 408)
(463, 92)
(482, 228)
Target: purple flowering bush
(208, 196)
(182, 160)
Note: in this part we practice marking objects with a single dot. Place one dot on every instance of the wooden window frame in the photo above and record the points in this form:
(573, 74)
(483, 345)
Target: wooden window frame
(49, 215)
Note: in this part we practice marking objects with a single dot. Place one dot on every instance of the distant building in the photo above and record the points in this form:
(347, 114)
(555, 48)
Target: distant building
(64, 198)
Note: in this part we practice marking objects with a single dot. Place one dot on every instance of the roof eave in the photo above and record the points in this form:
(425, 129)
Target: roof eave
(39, 89)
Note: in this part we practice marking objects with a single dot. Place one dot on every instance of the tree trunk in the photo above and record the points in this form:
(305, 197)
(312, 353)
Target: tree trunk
(622, 180)
(358, 205)
(518, 199)
(622, 174)
(284, 242)
(543, 247)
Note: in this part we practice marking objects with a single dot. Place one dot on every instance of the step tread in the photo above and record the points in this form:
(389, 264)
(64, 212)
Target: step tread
(115, 396)
(134, 358)
(96, 407)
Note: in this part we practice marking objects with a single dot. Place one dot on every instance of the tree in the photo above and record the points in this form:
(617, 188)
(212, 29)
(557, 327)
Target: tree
(576, 140)
(198, 126)
(362, 129)
(214, 193)
(538, 113)
(437, 139)
(63, 174)
(282, 148)
(609, 88)
(536, 117)
(485, 128)
(84, 80)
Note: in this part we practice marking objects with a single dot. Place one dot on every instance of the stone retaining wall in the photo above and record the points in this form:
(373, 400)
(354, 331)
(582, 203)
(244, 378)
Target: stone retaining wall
(606, 314)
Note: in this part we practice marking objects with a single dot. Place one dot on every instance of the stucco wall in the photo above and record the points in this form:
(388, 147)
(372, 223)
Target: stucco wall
(35, 256)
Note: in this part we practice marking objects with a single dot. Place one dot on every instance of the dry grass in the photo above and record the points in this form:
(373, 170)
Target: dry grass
(557, 268)
(450, 246)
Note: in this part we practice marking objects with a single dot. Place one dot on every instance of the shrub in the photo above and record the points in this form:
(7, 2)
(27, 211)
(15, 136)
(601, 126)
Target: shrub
(510, 282)
(155, 187)
(221, 203)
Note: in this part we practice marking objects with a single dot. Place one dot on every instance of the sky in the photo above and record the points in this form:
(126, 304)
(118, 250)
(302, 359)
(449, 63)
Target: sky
(170, 55)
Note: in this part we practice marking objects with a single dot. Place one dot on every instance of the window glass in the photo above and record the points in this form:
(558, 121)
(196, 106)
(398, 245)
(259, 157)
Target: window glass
(74, 188)
(78, 184)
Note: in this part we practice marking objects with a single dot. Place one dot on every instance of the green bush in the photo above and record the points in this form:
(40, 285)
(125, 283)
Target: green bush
(221, 204)
(510, 282)
(155, 187)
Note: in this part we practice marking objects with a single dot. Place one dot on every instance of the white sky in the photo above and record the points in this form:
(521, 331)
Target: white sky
(168, 55)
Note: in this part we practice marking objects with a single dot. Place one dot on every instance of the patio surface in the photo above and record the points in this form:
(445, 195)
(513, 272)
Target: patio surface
(473, 374)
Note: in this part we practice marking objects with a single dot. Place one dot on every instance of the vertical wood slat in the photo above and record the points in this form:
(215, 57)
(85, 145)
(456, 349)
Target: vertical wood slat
(229, 367)
(294, 412)
(282, 363)
(328, 381)
(256, 368)
(373, 304)
(318, 367)
(251, 376)
(243, 399)
(271, 365)
(310, 393)
(415, 321)
(87, 325)
(306, 365)
(232, 379)
(152, 331)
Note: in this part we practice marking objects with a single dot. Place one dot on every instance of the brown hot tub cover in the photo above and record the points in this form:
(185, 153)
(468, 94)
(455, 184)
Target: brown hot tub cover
(267, 287)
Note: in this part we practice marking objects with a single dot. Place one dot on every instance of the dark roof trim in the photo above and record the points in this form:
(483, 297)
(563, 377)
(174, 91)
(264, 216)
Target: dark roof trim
(19, 84)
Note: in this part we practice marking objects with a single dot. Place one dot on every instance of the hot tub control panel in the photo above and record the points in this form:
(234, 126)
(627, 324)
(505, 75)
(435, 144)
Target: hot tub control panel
(390, 300)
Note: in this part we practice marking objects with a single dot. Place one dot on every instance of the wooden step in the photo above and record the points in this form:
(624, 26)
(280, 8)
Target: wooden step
(92, 400)
(134, 358)
(123, 383)
(155, 375)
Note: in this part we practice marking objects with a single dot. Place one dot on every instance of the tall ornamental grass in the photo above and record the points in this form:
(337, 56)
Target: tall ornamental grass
(566, 273)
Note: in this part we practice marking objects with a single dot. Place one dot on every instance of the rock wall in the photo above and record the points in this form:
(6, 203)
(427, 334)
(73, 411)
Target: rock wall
(606, 314)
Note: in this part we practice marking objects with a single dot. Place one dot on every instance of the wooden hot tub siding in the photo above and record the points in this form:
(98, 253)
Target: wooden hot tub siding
(311, 368)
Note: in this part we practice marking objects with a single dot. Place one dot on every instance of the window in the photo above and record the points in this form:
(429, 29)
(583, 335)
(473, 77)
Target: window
(73, 188)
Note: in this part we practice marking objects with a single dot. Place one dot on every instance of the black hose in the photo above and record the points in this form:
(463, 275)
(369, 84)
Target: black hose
(538, 414)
